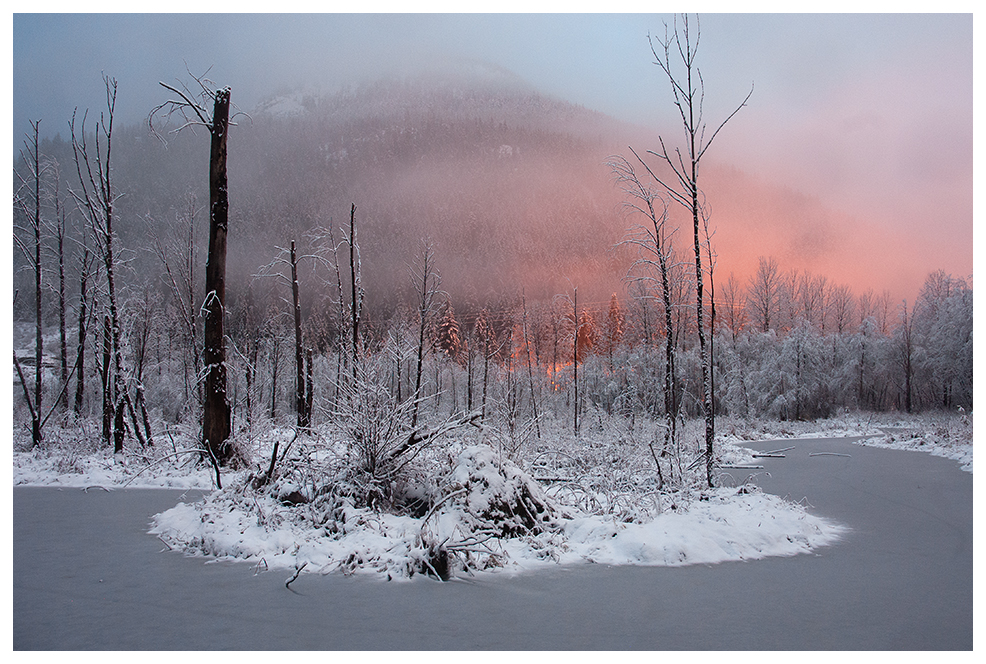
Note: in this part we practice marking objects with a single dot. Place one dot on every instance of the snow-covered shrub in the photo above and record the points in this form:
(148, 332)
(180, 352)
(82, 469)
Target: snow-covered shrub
(494, 495)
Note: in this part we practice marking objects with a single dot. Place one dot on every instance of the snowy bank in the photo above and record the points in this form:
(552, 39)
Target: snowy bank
(951, 443)
(57, 467)
(465, 531)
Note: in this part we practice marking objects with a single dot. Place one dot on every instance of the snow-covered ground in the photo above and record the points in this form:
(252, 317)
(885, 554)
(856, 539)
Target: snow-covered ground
(950, 438)
(724, 524)
(581, 522)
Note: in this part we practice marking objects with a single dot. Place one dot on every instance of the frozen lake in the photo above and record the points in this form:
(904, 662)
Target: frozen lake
(86, 575)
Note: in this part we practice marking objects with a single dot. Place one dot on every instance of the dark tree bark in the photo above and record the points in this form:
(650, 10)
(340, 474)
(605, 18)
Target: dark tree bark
(104, 375)
(357, 292)
(304, 419)
(216, 415)
(309, 386)
(575, 358)
(62, 325)
(274, 364)
(216, 411)
(80, 358)
(38, 344)
(425, 306)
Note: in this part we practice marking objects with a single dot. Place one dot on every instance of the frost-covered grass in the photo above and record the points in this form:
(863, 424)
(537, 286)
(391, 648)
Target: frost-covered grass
(737, 430)
(943, 435)
(946, 435)
(75, 457)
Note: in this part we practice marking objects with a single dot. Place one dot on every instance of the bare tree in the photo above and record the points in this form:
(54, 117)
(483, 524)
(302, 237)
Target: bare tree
(763, 295)
(732, 301)
(85, 268)
(903, 352)
(842, 308)
(58, 231)
(355, 275)
(216, 412)
(96, 200)
(530, 368)
(486, 338)
(430, 280)
(28, 199)
(811, 294)
(178, 256)
(289, 259)
(654, 241)
(676, 51)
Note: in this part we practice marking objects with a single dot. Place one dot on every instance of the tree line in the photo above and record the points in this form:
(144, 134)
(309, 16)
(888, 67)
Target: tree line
(298, 344)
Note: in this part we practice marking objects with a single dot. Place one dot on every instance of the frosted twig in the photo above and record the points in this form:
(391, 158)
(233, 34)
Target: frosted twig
(297, 571)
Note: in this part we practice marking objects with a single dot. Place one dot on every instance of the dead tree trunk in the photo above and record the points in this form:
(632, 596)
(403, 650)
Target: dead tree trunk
(357, 291)
(62, 325)
(575, 357)
(299, 357)
(216, 412)
(80, 357)
(216, 422)
(104, 375)
(425, 307)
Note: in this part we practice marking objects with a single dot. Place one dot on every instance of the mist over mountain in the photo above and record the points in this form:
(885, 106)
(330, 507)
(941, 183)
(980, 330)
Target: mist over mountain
(508, 185)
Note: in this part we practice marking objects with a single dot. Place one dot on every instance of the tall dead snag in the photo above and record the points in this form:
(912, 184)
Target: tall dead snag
(486, 336)
(677, 59)
(216, 424)
(216, 411)
(430, 281)
(356, 304)
(304, 418)
(289, 260)
(62, 325)
(80, 356)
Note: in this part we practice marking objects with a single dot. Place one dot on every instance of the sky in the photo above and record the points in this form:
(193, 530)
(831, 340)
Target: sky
(863, 122)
